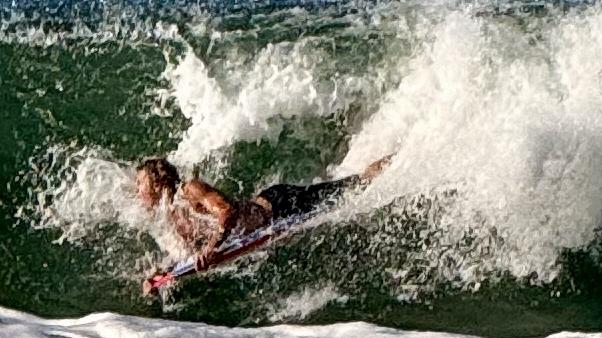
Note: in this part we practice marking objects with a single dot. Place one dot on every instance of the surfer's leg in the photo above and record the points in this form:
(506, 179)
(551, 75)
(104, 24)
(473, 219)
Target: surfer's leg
(282, 200)
(330, 189)
(286, 200)
(376, 168)
(328, 192)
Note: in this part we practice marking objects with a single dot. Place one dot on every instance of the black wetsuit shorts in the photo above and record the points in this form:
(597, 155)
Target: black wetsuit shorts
(287, 200)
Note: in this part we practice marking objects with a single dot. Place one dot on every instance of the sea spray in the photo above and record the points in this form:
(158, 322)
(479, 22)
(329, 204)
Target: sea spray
(510, 126)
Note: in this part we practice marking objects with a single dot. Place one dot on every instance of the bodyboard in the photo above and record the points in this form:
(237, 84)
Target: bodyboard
(231, 249)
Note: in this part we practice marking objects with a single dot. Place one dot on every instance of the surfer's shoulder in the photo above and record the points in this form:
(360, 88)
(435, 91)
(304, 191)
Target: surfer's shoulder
(197, 191)
(196, 186)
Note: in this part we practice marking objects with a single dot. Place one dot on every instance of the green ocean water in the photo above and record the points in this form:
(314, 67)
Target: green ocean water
(100, 94)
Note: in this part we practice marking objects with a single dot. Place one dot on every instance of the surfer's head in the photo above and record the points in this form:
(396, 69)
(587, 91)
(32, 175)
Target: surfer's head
(155, 177)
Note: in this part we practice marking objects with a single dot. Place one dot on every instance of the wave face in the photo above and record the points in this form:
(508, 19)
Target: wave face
(489, 213)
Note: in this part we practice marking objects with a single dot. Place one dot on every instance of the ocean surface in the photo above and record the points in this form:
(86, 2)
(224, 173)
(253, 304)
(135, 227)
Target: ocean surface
(487, 223)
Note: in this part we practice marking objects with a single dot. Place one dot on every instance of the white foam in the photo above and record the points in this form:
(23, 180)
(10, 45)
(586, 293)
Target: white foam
(513, 126)
(108, 325)
(575, 335)
(301, 304)
(280, 85)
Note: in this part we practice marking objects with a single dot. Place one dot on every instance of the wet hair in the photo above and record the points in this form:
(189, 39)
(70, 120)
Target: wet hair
(162, 173)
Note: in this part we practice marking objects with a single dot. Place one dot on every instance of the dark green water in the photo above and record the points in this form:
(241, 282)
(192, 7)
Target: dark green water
(86, 92)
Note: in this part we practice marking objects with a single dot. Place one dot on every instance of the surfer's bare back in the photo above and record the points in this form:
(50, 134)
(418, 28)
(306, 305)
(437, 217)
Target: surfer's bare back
(191, 202)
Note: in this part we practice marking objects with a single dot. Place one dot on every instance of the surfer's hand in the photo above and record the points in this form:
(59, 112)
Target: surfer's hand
(147, 287)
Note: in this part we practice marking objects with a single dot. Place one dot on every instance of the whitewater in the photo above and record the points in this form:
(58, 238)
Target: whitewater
(101, 325)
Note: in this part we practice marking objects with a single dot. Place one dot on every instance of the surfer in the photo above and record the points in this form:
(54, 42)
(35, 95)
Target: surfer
(204, 217)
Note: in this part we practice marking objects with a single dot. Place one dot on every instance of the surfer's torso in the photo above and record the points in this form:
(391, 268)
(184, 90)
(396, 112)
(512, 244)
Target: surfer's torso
(196, 205)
